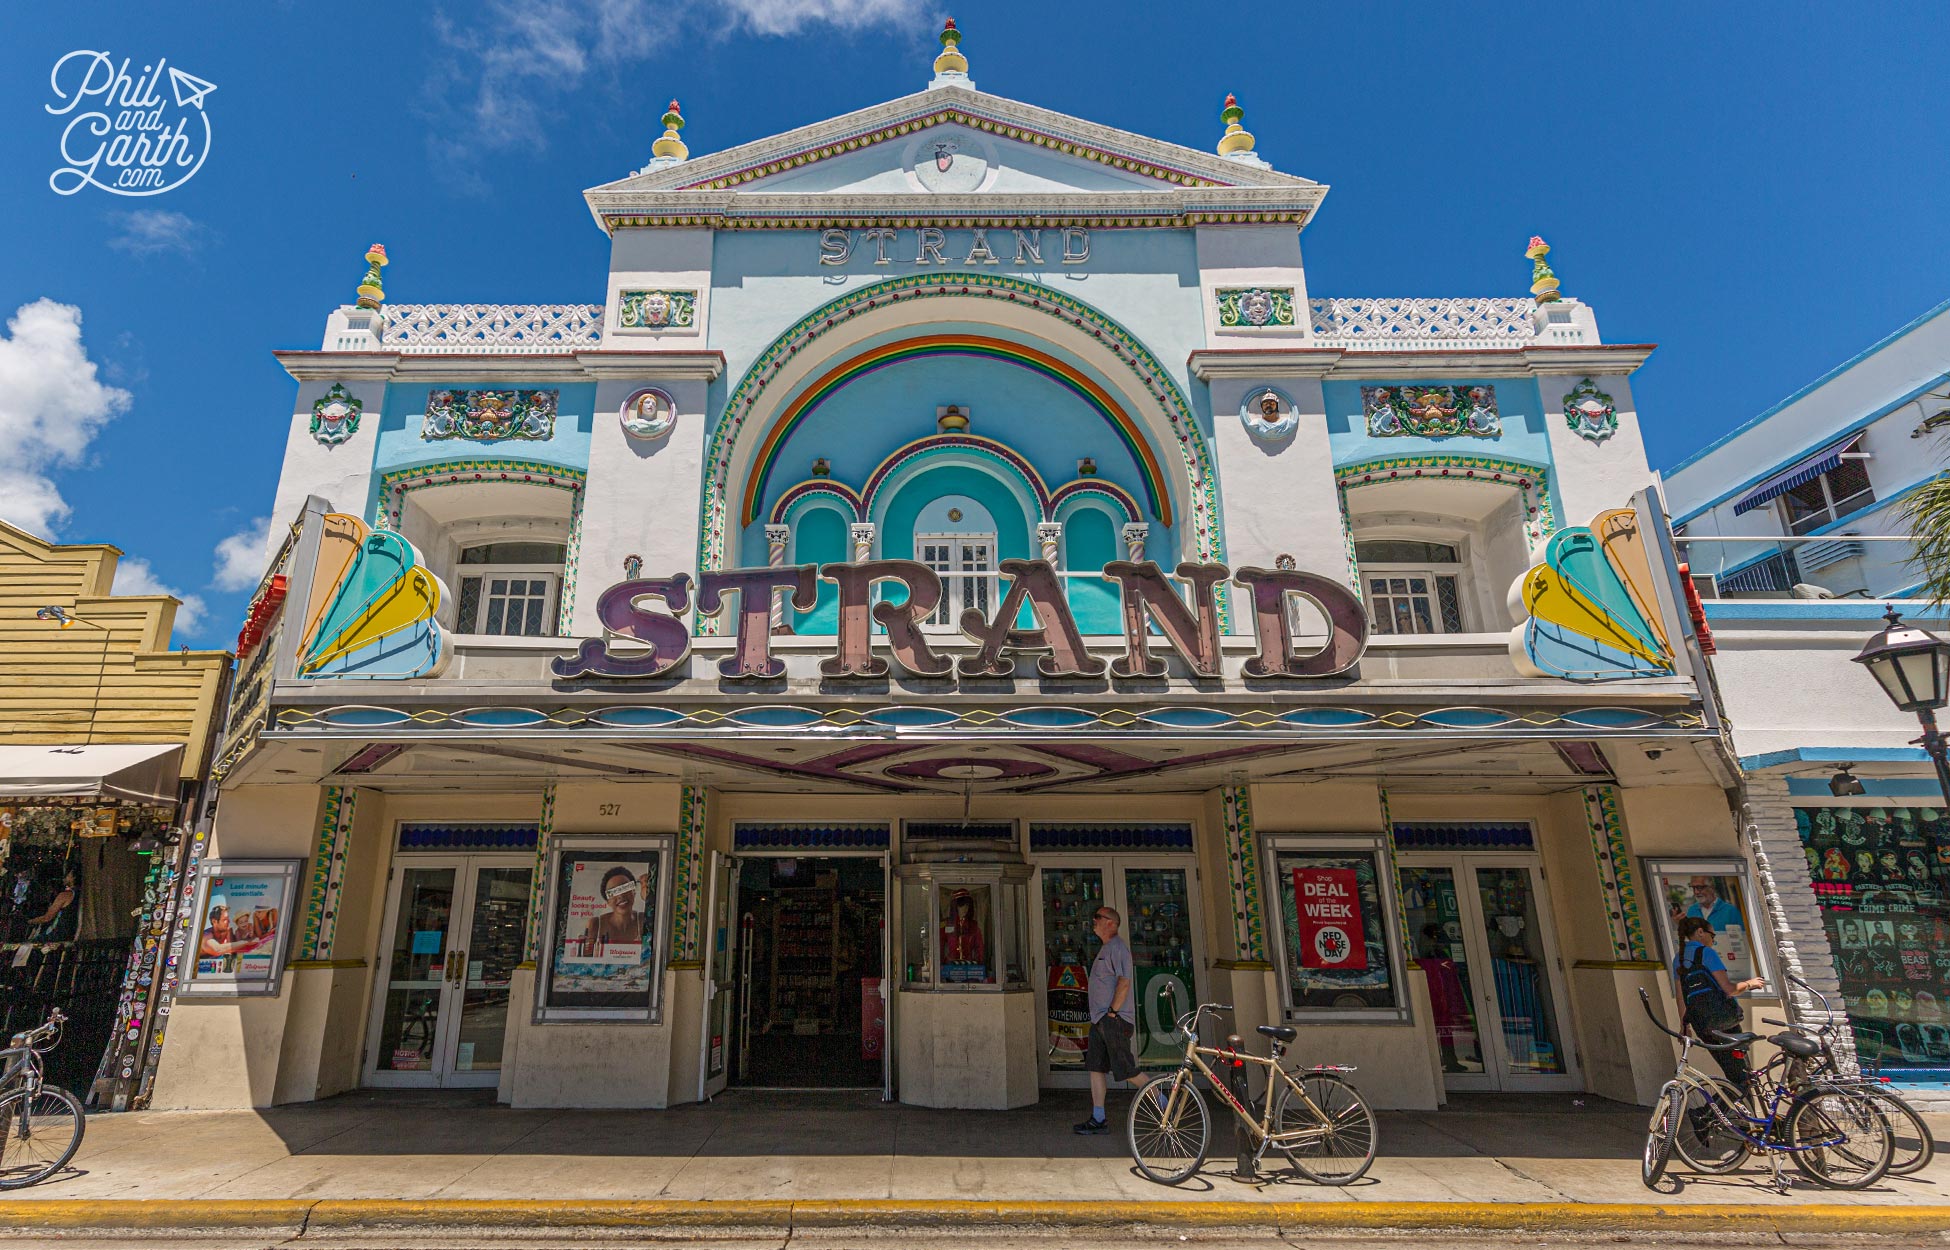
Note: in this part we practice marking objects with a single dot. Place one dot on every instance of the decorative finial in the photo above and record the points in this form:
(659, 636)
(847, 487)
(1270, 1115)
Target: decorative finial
(1543, 283)
(670, 147)
(952, 420)
(1237, 140)
(371, 293)
(951, 61)
(822, 467)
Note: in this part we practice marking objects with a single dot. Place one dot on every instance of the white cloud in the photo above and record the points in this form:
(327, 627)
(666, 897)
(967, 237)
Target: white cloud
(51, 407)
(240, 557)
(785, 17)
(150, 231)
(512, 64)
(134, 577)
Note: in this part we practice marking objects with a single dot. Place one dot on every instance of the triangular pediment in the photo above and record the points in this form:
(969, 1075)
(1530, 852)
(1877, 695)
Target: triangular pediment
(950, 142)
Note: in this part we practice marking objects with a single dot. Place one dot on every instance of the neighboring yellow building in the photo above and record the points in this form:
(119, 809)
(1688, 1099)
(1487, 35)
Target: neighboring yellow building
(105, 736)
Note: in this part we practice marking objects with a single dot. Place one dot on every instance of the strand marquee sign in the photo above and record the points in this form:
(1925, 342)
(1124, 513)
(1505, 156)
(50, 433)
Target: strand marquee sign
(656, 640)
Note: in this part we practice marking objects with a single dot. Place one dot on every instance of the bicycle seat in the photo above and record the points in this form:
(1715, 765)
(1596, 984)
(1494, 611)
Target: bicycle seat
(1279, 1032)
(1800, 1045)
(1726, 1037)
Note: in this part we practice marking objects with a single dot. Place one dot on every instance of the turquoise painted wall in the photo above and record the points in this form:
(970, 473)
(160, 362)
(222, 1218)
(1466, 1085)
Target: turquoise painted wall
(399, 444)
(1517, 399)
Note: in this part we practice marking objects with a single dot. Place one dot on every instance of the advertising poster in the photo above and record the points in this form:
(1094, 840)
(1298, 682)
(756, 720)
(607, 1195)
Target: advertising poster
(603, 952)
(1716, 893)
(1328, 904)
(241, 925)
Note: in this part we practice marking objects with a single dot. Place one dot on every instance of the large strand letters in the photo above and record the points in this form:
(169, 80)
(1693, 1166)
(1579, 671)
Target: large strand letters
(656, 642)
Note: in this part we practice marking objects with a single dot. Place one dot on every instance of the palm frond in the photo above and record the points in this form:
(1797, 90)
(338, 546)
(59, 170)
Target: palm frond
(1927, 514)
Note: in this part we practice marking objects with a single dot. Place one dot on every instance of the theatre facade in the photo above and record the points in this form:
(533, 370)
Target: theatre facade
(956, 517)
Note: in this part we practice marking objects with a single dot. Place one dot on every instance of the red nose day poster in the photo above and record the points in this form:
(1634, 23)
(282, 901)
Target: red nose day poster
(1328, 903)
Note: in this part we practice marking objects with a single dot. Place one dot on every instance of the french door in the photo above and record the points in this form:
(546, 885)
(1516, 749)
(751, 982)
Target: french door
(1157, 895)
(454, 932)
(1480, 925)
(966, 563)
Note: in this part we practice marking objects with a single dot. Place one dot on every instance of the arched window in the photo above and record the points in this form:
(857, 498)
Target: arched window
(956, 537)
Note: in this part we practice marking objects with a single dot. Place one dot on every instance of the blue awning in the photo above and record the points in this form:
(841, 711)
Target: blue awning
(1794, 475)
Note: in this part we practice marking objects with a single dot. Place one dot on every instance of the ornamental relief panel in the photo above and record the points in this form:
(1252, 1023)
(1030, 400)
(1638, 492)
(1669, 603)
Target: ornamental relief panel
(489, 416)
(1256, 307)
(658, 311)
(1431, 411)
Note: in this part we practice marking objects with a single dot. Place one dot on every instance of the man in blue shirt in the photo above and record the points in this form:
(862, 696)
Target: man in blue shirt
(1113, 1017)
(1710, 907)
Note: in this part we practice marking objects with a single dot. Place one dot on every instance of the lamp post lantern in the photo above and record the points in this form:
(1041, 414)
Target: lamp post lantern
(1912, 665)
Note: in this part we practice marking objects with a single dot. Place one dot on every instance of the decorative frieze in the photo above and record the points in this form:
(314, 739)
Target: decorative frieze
(335, 417)
(1430, 322)
(492, 328)
(1431, 411)
(1256, 307)
(490, 416)
(661, 309)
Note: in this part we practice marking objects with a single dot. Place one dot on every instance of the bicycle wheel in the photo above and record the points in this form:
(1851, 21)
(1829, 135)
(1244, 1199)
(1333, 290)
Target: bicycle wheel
(1706, 1138)
(1169, 1129)
(1342, 1136)
(39, 1133)
(1838, 1138)
(1911, 1147)
(1666, 1115)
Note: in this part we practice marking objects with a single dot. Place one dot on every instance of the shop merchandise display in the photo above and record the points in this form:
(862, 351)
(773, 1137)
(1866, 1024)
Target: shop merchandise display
(1882, 879)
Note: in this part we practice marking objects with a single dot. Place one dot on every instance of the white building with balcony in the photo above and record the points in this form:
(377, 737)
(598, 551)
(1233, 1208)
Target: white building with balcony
(1794, 532)
(945, 520)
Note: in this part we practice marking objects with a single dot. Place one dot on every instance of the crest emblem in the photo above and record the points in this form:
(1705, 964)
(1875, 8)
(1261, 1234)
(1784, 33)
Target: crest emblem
(944, 155)
(1590, 412)
(335, 417)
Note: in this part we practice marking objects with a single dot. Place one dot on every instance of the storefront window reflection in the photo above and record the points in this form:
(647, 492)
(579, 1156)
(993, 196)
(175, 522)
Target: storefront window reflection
(1882, 879)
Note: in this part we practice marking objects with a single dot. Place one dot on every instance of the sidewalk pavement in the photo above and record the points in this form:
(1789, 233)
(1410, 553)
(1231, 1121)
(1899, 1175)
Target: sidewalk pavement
(765, 1153)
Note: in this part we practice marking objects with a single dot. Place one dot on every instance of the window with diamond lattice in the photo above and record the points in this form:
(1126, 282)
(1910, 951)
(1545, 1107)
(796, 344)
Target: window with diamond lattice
(1412, 586)
(511, 589)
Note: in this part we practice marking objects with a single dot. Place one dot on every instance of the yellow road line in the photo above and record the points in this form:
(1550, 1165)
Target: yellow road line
(348, 1214)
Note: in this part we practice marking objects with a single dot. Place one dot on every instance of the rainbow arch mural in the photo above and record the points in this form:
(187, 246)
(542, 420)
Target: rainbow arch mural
(923, 347)
(1145, 376)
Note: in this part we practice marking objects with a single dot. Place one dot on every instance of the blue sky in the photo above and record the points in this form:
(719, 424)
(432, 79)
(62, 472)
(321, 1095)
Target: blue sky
(1757, 188)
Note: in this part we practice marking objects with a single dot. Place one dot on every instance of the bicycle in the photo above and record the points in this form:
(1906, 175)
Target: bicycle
(40, 1124)
(1909, 1136)
(1832, 1134)
(1315, 1119)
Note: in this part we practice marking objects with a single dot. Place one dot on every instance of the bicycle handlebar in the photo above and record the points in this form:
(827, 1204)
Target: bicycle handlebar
(1646, 1000)
(1188, 1023)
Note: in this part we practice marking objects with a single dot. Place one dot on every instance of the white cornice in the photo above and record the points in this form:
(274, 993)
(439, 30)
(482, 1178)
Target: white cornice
(666, 366)
(1177, 207)
(1331, 363)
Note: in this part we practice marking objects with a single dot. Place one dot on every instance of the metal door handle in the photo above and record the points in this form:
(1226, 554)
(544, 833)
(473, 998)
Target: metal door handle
(457, 963)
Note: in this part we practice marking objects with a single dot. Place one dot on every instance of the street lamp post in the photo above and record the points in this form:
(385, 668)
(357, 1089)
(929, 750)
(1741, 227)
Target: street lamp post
(1913, 667)
(64, 618)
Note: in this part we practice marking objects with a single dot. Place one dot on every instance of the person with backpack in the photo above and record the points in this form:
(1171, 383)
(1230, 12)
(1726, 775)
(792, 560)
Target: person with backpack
(1708, 996)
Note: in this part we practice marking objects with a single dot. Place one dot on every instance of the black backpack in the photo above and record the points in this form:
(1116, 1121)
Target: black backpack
(1707, 1005)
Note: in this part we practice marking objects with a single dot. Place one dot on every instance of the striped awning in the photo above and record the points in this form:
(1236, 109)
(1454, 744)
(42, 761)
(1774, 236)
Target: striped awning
(1795, 474)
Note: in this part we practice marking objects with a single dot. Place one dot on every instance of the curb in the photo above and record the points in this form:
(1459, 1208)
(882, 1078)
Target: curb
(351, 1215)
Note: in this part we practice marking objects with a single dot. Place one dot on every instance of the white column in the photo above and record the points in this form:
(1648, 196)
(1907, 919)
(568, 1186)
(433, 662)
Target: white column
(862, 534)
(1134, 535)
(776, 538)
(1049, 536)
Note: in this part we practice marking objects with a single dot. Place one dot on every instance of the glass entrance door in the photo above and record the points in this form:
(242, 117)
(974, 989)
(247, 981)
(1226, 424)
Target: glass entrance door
(1485, 945)
(1157, 898)
(454, 927)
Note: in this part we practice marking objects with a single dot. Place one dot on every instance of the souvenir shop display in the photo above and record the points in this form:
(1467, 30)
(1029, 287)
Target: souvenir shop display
(1882, 879)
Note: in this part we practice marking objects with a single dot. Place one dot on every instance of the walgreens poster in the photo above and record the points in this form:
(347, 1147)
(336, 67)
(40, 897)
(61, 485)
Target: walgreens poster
(1328, 902)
